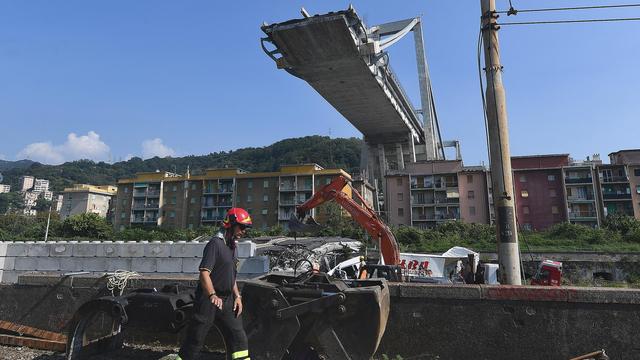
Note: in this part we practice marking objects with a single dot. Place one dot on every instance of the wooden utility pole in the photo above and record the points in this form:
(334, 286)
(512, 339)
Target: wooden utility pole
(501, 177)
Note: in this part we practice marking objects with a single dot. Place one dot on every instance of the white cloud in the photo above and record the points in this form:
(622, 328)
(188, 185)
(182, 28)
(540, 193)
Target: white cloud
(3, 157)
(76, 147)
(155, 147)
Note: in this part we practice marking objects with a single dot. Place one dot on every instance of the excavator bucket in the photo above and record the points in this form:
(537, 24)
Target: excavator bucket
(307, 224)
(313, 316)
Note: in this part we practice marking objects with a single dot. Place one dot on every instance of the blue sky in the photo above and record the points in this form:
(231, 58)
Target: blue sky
(111, 79)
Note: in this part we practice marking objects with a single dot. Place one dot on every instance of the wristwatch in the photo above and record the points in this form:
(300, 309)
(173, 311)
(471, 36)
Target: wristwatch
(212, 294)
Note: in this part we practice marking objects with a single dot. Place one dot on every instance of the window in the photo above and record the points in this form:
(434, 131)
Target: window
(638, 189)
(524, 193)
(552, 193)
(525, 210)
(523, 178)
(327, 181)
(121, 227)
(400, 196)
(174, 188)
(173, 200)
(124, 203)
(471, 194)
(472, 210)
(551, 177)
(399, 181)
(191, 213)
(194, 186)
(249, 199)
(554, 210)
(190, 226)
(172, 214)
(469, 179)
(264, 212)
(527, 227)
(250, 184)
(265, 184)
(636, 172)
(265, 197)
(193, 200)
(126, 190)
(400, 212)
(123, 215)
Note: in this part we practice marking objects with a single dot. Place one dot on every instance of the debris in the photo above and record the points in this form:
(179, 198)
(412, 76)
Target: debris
(22, 335)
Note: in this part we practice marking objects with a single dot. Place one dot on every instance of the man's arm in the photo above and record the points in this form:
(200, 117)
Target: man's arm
(207, 288)
(237, 304)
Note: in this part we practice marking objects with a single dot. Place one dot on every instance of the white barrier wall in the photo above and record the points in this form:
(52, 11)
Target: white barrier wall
(144, 257)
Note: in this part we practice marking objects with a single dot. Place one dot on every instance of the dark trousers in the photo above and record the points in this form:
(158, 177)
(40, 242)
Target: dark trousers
(204, 317)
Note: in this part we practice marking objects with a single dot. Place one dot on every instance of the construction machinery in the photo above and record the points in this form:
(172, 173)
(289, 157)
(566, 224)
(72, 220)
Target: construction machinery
(300, 316)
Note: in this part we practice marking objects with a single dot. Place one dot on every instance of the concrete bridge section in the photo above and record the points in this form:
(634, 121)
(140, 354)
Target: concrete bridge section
(426, 321)
(346, 63)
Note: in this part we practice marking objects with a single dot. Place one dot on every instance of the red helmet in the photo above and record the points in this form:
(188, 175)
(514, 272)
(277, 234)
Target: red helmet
(236, 216)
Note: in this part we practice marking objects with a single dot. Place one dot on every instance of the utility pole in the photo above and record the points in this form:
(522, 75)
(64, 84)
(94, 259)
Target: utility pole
(46, 233)
(501, 177)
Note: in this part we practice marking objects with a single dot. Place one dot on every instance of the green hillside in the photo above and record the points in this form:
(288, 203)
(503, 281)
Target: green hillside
(327, 152)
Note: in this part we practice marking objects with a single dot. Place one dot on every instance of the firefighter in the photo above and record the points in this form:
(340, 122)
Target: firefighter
(217, 297)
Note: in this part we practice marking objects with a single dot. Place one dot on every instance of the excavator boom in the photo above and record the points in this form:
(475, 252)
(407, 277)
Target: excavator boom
(361, 213)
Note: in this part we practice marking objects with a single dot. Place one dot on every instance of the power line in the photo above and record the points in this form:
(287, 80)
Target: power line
(569, 8)
(567, 21)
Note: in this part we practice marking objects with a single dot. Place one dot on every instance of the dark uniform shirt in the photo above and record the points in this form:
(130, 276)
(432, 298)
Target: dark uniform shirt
(220, 260)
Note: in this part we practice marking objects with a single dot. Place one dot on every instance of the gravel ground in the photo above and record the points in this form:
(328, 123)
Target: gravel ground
(129, 352)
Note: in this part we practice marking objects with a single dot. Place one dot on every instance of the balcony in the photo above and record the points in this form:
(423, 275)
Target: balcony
(218, 190)
(284, 216)
(578, 180)
(616, 196)
(288, 186)
(145, 206)
(587, 198)
(614, 179)
(583, 215)
(148, 193)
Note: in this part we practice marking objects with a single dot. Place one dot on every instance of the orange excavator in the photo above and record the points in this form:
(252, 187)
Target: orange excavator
(361, 213)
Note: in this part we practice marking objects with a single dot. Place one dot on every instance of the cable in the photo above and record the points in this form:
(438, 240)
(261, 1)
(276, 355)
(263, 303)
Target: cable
(118, 280)
(569, 8)
(484, 101)
(567, 21)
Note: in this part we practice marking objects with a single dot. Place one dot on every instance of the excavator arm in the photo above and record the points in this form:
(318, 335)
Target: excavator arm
(362, 214)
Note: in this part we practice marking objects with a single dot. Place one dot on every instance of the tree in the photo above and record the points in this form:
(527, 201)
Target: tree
(43, 205)
(10, 201)
(86, 226)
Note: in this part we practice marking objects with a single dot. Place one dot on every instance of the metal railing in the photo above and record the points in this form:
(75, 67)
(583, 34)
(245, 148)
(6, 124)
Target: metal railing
(578, 180)
(609, 179)
(616, 196)
(582, 214)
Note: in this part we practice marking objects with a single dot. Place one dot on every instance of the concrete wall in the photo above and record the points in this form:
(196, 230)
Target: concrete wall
(180, 257)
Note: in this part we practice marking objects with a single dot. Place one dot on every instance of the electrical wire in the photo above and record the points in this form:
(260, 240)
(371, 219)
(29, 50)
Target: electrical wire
(570, 8)
(484, 101)
(567, 21)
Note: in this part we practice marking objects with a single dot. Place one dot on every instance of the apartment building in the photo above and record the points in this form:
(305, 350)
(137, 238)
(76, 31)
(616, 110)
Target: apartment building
(5, 188)
(539, 190)
(26, 182)
(615, 190)
(582, 193)
(631, 159)
(428, 193)
(172, 200)
(83, 198)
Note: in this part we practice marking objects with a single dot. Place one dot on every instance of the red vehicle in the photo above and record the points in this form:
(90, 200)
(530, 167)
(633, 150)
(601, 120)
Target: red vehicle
(549, 274)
